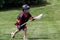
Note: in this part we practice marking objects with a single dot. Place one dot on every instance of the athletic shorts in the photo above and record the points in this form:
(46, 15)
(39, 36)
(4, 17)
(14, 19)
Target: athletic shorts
(21, 28)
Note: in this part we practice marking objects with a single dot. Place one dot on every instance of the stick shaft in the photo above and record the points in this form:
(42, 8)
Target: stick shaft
(37, 17)
(25, 22)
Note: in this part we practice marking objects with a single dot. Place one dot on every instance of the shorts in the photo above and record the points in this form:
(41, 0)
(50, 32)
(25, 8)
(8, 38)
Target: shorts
(21, 28)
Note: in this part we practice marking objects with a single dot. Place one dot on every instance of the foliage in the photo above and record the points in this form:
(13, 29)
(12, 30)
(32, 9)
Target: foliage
(11, 3)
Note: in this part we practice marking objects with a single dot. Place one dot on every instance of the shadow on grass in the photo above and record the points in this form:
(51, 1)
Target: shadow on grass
(19, 38)
(19, 7)
(37, 38)
(34, 38)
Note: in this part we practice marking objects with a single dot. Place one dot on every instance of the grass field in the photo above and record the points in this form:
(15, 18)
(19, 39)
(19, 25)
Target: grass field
(48, 28)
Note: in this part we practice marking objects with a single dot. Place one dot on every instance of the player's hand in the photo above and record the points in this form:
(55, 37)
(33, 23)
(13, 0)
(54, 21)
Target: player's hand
(17, 23)
(32, 18)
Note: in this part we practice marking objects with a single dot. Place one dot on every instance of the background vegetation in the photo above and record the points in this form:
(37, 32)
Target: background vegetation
(18, 3)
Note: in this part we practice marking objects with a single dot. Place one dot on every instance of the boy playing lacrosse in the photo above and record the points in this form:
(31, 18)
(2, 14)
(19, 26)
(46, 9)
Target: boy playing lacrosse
(21, 19)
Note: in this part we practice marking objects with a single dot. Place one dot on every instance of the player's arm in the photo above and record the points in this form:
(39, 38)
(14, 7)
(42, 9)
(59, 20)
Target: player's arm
(18, 20)
(31, 17)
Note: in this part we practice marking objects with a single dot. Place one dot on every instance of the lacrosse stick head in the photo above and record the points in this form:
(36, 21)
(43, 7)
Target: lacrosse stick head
(39, 16)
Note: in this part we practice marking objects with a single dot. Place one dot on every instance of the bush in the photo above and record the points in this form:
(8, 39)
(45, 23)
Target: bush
(18, 3)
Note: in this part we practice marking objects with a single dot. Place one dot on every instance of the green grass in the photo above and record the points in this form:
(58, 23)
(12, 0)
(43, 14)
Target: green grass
(48, 28)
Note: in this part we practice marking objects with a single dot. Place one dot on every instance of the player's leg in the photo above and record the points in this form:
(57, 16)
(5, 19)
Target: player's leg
(14, 33)
(24, 33)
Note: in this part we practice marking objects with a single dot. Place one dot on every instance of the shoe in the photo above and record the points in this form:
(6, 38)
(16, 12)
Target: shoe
(12, 35)
(25, 38)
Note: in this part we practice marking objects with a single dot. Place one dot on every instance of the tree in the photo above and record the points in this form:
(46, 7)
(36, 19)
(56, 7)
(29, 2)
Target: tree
(18, 3)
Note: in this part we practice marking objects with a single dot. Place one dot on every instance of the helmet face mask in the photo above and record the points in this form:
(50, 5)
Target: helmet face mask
(26, 11)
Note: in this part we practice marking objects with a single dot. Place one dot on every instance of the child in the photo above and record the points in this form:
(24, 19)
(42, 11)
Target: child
(22, 18)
